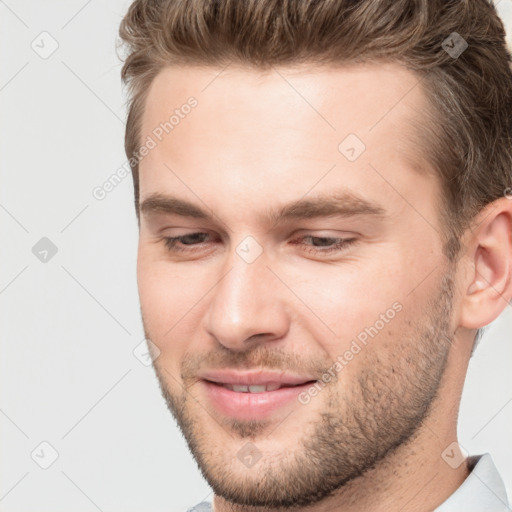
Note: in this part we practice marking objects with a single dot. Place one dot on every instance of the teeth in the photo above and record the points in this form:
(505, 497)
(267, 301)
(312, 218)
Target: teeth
(253, 389)
(244, 389)
(257, 389)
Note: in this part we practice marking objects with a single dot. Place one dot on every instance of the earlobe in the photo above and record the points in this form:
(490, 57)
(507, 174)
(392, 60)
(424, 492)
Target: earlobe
(489, 279)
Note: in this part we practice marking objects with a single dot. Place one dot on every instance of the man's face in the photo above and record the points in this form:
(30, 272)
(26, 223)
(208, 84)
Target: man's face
(369, 320)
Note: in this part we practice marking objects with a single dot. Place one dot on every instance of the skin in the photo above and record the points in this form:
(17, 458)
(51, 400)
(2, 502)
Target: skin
(373, 438)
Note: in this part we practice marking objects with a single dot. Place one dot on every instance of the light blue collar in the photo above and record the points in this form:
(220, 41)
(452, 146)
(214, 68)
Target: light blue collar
(482, 491)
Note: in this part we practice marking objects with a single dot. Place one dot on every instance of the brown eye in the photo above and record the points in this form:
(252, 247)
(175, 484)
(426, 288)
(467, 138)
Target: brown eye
(191, 239)
(326, 245)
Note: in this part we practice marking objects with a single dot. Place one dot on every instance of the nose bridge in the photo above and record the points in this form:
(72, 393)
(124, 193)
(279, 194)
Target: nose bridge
(247, 300)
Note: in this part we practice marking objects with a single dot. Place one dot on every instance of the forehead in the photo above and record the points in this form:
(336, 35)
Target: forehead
(253, 132)
(353, 96)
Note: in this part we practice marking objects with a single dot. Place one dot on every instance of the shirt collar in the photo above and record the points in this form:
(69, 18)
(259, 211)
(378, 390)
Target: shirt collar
(482, 491)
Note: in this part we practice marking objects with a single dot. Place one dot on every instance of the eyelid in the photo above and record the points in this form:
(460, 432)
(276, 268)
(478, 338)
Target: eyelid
(342, 243)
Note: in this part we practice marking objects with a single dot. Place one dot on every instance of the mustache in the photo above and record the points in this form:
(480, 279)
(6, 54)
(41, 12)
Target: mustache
(258, 358)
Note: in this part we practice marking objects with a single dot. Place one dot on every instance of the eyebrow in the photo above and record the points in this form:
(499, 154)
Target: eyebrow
(344, 204)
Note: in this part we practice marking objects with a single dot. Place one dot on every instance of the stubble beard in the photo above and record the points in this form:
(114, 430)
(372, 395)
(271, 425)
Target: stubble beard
(361, 425)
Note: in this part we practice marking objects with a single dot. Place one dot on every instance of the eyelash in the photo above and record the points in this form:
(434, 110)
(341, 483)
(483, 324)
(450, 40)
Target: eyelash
(343, 243)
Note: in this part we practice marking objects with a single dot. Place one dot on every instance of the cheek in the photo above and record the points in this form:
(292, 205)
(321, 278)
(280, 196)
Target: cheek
(168, 313)
(346, 300)
(165, 297)
(365, 302)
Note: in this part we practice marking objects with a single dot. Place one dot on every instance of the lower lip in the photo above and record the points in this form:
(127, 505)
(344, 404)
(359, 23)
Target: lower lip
(251, 405)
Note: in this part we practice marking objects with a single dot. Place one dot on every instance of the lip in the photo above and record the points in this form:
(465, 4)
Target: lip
(255, 378)
(246, 405)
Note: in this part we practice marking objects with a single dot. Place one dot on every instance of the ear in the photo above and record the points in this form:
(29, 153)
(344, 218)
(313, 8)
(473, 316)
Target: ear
(487, 288)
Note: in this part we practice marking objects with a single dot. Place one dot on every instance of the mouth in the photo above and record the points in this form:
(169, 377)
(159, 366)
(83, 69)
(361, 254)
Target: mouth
(253, 401)
(258, 388)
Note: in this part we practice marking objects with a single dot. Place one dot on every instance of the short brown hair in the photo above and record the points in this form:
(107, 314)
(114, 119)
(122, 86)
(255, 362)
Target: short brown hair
(466, 136)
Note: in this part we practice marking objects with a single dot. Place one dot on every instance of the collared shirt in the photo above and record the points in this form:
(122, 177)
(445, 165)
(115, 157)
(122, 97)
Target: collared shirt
(481, 491)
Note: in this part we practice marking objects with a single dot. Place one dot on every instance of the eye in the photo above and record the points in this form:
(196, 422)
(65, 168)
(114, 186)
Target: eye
(172, 242)
(330, 244)
(321, 245)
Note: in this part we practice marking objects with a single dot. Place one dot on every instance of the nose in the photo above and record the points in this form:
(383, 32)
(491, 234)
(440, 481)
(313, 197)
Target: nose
(247, 305)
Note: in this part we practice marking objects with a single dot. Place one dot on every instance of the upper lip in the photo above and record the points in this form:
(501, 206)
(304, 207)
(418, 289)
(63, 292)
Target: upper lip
(255, 378)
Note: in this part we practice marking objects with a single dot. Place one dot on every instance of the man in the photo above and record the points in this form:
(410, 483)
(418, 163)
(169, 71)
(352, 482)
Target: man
(323, 194)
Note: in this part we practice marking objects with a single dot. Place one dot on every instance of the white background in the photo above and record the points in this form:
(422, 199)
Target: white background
(68, 375)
